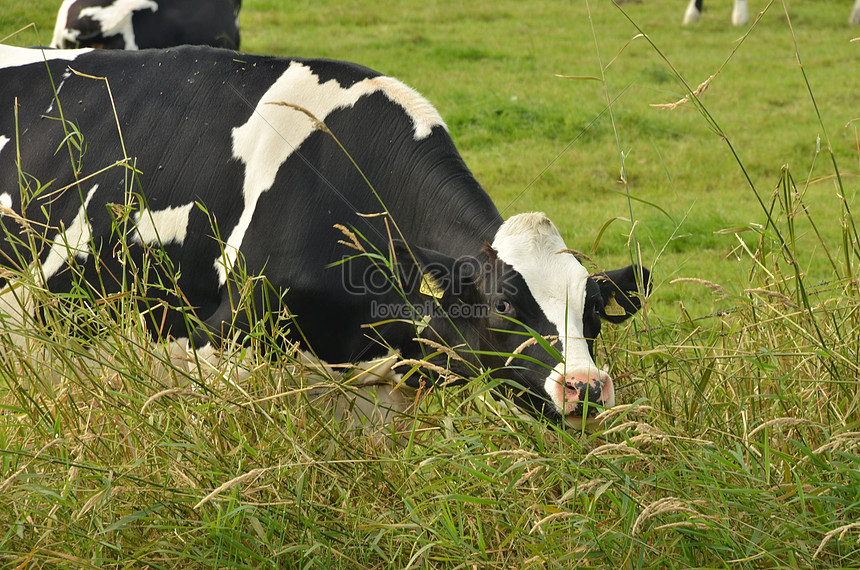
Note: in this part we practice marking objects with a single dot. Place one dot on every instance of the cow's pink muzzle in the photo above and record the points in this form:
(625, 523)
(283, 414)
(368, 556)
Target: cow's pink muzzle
(584, 393)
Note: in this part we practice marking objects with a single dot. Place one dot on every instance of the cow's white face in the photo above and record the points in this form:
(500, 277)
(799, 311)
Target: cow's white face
(531, 283)
(533, 247)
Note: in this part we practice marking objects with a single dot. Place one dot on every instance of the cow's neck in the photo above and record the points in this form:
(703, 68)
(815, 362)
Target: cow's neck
(456, 219)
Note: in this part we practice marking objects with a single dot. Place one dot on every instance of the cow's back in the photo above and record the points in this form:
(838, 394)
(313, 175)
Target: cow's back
(224, 145)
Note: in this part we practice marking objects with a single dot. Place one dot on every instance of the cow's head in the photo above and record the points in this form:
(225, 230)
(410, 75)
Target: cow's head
(526, 309)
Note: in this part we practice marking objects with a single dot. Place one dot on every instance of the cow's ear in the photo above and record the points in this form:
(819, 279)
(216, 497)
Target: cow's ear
(621, 292)
(427, 272)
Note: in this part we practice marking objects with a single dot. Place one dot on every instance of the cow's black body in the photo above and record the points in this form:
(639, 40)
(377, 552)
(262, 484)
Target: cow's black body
(181, 141)
(153, 24)
(199, 125)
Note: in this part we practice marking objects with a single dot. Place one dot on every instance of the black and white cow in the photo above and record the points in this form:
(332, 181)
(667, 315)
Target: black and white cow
(740, 13)
(225, 145)
(141, 24)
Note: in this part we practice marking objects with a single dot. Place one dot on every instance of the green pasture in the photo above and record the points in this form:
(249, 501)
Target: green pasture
(736, 445)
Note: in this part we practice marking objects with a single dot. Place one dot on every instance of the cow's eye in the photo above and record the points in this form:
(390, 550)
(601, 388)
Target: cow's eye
(502, 306)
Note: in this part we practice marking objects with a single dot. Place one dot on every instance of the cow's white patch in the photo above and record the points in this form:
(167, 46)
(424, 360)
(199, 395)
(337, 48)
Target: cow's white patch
(11, 56)
(274, 132)
(162, 226)
(3, 141)
(66, 75)
(424, 115)
(72, 240)
(115, 18)
(6, 202)
(530, 243)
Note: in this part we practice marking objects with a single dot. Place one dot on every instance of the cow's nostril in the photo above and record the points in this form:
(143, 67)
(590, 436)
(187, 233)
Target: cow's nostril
(584, 391)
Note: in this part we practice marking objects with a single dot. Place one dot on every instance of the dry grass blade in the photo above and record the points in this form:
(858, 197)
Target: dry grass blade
(96, 498)
(620, 427)
(682, 524)
(353, 240)
(662, 506)
(449, 376)
(549, 518)
(586, 487)
(317, 124)
(703, 86)
(553, 339)
(514, 453)
(610, 447)
(11, 479)
(581, 257)
(774, 294)
(841, 531)
(62, 560)
(780, 422)
(623, 409)
(852, 439)
(578, 77)
(172, 392)
(252, 474)
(441, 348)
(528, 475)
(648, 434)
(713, 286)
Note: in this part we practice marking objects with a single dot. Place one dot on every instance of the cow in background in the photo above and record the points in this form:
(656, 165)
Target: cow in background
(141, 24)
(740, 13)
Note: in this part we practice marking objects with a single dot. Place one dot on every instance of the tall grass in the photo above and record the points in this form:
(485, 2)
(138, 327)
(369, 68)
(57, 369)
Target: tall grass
(736, 443)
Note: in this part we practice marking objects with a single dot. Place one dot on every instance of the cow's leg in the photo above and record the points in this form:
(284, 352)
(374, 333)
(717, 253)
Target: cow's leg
(16, 313)
(854, 19)
(694, 12)
(740, 13)
(221, 323)
(212, 348)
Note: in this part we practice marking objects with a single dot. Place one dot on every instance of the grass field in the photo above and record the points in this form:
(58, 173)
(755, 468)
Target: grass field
(737, 441)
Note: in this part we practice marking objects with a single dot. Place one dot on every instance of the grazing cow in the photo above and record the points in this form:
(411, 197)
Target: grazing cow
(141, 24)
(248, 149)
(740, 14)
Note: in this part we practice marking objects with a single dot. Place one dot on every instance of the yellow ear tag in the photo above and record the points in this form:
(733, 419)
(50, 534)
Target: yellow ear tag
(612, 308)
(431, 287)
